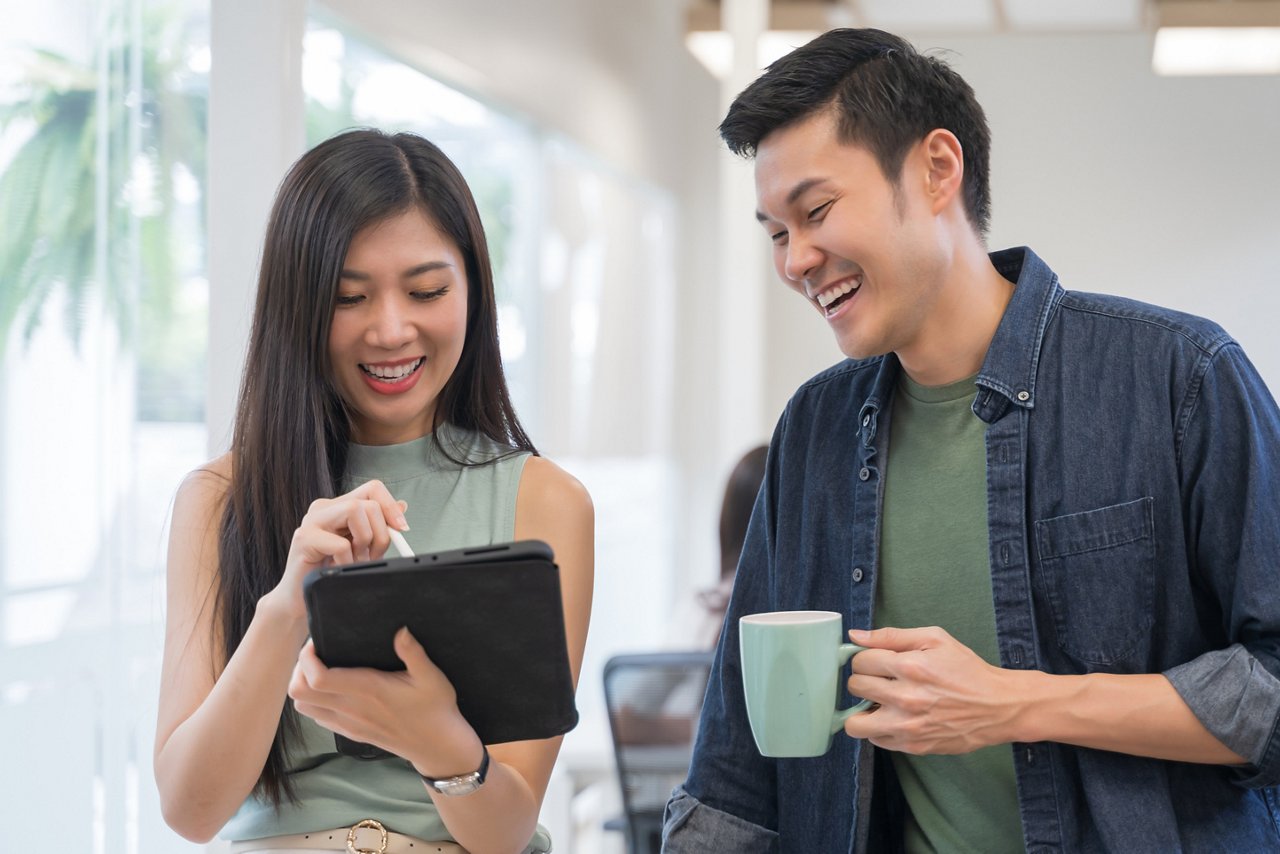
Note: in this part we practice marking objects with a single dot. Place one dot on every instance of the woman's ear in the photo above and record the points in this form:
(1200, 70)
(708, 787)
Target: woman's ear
(944, 168)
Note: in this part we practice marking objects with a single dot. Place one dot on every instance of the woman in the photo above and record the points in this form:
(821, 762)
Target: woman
(373, 398)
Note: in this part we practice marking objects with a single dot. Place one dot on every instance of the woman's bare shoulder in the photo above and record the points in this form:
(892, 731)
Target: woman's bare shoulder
(548, 484)
(203, 491)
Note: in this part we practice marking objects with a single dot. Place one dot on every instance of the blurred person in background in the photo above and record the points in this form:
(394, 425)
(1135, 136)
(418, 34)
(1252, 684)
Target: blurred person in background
(740, 493)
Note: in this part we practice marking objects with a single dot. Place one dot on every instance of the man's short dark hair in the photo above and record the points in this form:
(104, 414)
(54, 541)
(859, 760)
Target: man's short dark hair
(886, 97)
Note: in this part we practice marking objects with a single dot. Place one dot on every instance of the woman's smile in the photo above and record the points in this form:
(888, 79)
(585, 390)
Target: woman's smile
(393, 377)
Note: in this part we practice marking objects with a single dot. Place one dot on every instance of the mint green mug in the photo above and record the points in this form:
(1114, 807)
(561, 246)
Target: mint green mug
(791, 663)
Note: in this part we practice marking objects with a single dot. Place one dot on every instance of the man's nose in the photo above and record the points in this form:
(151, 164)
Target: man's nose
(802, 258)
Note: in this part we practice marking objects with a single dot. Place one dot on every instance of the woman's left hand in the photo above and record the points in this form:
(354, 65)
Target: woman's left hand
(412, 713)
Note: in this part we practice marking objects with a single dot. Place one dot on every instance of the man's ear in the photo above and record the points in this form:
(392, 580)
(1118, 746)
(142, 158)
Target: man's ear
(944, 168)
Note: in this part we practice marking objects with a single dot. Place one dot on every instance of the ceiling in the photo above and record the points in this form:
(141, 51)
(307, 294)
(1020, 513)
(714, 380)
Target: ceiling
(997, 16)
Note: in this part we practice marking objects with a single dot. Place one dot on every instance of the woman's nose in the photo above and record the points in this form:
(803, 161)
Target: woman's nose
(390, 327)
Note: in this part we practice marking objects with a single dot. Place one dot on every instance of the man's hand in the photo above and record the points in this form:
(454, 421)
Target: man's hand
(935, 694)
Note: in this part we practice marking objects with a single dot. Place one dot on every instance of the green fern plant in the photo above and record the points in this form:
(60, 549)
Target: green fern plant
(86, 201)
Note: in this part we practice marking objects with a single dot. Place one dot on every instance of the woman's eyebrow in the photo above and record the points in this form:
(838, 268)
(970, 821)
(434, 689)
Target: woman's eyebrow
(430, 266)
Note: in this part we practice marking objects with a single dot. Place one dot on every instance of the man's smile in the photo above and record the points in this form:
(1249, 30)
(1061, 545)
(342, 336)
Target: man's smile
(830, 298)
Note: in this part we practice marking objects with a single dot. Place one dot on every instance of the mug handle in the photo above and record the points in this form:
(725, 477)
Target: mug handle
(845, 652)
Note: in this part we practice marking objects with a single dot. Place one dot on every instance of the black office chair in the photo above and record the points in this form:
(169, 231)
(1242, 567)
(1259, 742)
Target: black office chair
(654, 700)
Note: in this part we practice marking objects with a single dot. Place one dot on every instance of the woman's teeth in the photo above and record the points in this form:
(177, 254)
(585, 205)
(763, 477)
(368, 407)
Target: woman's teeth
(392, 374)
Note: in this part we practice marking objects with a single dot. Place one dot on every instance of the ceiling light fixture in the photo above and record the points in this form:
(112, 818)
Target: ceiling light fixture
(1216, 50)
(1213, 37)
(714, 48)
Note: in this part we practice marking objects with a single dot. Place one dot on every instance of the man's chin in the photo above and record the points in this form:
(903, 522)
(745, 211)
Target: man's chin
(859, 350)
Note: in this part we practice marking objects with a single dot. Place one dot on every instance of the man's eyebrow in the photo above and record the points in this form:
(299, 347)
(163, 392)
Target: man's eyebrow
(796, 192)
(803, 187)
(430, 266)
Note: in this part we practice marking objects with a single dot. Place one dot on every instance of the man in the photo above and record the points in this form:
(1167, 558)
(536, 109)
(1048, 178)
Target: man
(1081, 491)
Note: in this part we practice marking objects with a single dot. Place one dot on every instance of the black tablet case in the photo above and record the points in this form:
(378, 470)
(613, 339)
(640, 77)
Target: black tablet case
(490, 618)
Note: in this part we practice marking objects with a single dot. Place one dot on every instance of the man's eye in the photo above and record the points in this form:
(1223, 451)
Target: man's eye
(778, 237)
(819, 210)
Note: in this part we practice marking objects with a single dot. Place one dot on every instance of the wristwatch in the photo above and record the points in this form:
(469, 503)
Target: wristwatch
(463, 784)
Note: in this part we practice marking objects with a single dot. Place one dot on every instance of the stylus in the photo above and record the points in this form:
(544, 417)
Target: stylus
(401, 544)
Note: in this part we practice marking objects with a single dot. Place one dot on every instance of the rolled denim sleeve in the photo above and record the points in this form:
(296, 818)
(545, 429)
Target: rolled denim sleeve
(691, 827)
(1238, 701)
(1230, 462)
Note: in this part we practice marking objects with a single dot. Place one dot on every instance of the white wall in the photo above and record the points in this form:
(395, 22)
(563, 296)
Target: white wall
(1162, 189)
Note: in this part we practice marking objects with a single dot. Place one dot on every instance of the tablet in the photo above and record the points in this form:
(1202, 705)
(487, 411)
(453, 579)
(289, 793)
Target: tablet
(490, 617)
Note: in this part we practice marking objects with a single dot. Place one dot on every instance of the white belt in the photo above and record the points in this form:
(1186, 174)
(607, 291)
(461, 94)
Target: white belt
(365, 837)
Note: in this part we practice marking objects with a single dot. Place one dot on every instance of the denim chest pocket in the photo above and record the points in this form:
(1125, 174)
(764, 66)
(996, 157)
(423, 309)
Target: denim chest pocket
(1098, 569)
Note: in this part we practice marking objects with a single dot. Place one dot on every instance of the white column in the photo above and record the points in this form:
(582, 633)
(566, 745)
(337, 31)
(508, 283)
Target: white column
(744, 262)
(256, 131)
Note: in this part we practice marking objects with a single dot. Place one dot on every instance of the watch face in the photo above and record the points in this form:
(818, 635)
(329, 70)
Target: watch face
(464, 785)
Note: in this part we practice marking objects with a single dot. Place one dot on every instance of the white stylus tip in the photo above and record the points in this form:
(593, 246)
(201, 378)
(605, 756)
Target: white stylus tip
(401, 544)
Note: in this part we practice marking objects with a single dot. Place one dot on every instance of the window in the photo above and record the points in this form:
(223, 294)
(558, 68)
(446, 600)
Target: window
(102, 320)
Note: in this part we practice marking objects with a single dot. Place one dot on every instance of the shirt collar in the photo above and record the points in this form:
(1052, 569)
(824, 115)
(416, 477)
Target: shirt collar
(1008, 374)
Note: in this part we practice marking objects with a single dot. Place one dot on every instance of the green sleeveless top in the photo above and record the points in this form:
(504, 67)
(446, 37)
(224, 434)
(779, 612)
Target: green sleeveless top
(935, 571)
(450, 506)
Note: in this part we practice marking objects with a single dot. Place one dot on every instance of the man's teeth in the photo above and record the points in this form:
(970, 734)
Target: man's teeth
(829, 296)
(395, 374)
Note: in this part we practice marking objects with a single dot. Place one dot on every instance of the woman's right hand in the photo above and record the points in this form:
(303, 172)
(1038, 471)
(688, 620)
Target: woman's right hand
(349, 528)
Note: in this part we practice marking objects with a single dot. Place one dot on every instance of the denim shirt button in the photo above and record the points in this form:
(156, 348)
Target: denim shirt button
(864, 473)
(866, 419)
(857, 574)
(1024, 396)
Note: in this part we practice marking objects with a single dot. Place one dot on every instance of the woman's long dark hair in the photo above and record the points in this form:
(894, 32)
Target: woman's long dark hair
(289, 445)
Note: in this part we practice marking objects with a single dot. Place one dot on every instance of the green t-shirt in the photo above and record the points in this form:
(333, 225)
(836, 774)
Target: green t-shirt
(935, 571)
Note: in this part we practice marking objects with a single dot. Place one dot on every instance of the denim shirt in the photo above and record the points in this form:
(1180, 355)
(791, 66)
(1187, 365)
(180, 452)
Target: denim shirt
(1133, 494)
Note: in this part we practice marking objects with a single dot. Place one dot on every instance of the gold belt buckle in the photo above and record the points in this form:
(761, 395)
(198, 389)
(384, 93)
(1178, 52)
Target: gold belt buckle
(372, 823)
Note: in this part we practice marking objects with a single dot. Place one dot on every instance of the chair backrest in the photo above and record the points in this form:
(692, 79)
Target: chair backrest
(654, 701)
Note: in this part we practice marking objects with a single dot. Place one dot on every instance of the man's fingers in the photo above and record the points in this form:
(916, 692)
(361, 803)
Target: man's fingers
(898, 640)
(877, 689)
(874, 662)
(864, 725)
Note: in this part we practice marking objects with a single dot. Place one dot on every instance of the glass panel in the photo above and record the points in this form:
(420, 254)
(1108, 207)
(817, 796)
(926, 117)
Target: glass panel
(102, 348)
